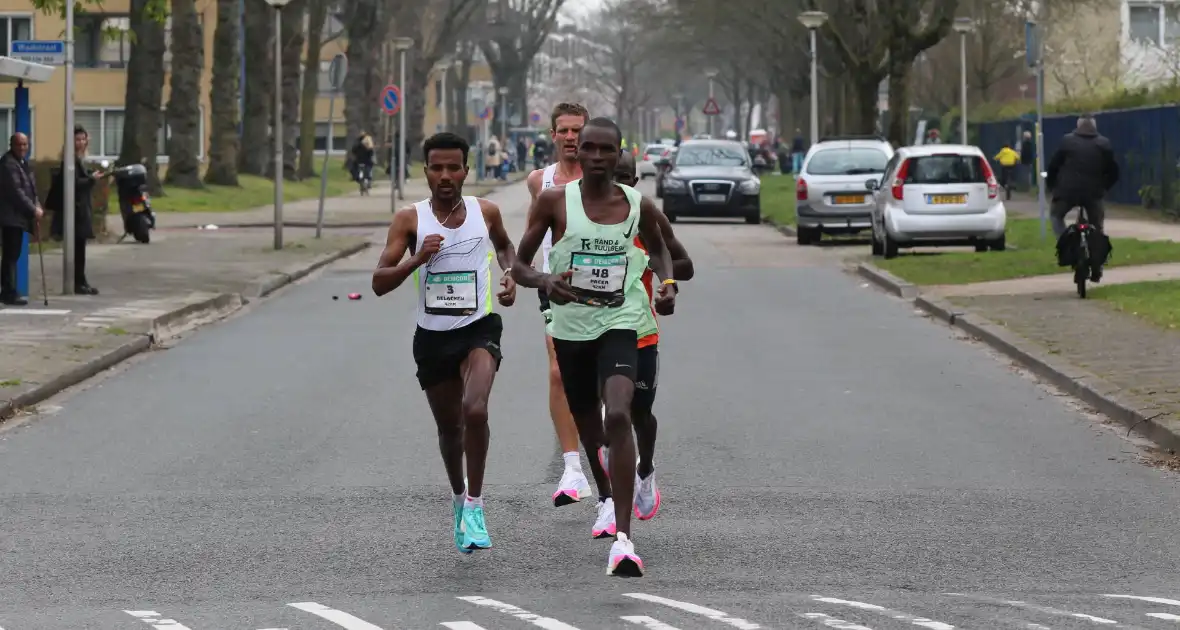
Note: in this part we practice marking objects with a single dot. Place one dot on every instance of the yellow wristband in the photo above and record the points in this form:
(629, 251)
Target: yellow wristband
(669, 281)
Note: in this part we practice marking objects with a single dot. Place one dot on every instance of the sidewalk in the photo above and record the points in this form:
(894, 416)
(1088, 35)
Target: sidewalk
(355, 211)
(1119, 222)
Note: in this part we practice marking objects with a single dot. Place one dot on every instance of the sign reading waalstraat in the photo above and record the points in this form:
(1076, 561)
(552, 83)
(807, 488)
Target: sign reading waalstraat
(45, 52)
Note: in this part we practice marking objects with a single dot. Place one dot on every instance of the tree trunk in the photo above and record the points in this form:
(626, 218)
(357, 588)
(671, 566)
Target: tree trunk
(418, 70)
(317, 17)
(292, 42)
(864, 119)
(223, 135)
(143, 109)
(365, 28)
(459, 94)
(899, 102)
(184, 113)
(257, 151)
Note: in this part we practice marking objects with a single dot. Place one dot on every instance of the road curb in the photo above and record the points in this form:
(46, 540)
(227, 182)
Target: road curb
(265, 286)
(1091, 389)
(167, 324)
(783, 228)
(887, 281)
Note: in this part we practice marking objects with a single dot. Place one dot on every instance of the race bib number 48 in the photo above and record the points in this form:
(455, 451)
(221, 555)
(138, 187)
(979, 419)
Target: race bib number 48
(599, 278)
(451, 293)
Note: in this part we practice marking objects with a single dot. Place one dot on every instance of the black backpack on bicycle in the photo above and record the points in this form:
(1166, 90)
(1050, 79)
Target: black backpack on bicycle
(1070, 244)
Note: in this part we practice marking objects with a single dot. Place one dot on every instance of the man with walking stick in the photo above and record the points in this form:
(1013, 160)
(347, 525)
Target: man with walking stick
(20, 212)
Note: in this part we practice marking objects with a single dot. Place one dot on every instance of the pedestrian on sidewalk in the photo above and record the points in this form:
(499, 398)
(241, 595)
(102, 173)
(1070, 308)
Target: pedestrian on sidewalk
(1008, 159)
(84, 181)
(20, 212)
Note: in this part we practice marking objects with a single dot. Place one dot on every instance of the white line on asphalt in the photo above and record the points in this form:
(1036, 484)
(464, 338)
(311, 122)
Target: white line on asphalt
(715, 615)
(651, 623)
(338, 617)
(520, 613)
(1044, 609)
(900, 616)
(1164, 616)
(461, 625)
(34, 311)
(832, 622)
(155, 620)
(1154, 600)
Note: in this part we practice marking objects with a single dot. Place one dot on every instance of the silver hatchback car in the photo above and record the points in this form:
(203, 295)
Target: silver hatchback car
(830, 195)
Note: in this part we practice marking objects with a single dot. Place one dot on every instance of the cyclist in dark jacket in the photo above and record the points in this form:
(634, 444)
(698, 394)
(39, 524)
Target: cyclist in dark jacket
(1080, 173)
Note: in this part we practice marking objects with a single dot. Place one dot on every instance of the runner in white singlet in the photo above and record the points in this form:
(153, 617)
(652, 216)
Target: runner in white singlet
(452, 242)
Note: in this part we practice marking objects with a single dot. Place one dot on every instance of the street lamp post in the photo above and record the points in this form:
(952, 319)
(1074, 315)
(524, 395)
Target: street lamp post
(711, 73)
(812, 20)
(963, 26)
(69, 226)
(401, 45)
(444, 67)
(277, 126)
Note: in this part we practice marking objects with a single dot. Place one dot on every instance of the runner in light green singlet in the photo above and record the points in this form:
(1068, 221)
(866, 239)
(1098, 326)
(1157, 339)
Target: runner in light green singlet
(599, 305)
(607, 272)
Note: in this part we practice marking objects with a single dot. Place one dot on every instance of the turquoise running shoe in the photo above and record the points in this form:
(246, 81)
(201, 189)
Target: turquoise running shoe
(475, 531)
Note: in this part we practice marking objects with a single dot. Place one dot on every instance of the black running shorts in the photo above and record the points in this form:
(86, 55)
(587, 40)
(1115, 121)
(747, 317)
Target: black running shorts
(585, 366)
(439, 353)
(647, 372)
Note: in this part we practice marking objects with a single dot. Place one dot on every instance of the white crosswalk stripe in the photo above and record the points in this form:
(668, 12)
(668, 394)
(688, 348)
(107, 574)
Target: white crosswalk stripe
(833, 622)
(900, 616)
(338, 617)
(156, 620)
(716, 615)
(537, 620)
(462, 625)
(651, 623)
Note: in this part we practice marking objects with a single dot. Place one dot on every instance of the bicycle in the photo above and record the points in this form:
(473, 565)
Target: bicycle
(1081, 263)
(1092, 251)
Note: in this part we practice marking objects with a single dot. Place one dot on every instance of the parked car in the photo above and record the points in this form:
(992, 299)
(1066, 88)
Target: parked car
(937, 195)
(663, 165)
(646, 167)
(712, 178)
(830, 195)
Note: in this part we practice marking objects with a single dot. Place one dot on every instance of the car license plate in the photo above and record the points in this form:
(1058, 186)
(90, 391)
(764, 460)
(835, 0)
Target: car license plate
(942, 200)
(712, 198)
(842, 200)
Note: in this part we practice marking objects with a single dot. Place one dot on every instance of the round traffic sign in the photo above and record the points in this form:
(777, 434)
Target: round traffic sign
(536, 117)
(336, 72)
(486, 113)
(391, 99)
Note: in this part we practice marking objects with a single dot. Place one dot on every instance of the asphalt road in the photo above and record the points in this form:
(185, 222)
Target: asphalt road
(828, 459)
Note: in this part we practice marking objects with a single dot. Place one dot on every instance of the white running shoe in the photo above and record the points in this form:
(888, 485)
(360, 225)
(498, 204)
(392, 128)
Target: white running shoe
(604, 525)
(572, 488)
(647, 496)
(622, 560)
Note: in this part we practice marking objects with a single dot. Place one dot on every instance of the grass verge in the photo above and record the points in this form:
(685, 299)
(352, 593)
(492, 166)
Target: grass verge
(778, 199)
(1157, 302)
(1028, 255)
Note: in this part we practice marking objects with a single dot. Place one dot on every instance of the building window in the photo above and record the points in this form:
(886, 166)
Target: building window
(105, 127)
(103, 41)
(1154, 23)
(8, 125)
(15, 28)
(339, 143)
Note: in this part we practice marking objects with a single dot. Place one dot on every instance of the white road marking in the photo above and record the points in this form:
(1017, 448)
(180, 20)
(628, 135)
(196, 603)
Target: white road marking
(508, 609)
(651, 623)
(156, 620)
(34, 311)
(461, 625)
(1164, 616)
(900, 616)
(1043, 609)
(715, 615)
(1154, 600)
(832, 622)
(338, 617)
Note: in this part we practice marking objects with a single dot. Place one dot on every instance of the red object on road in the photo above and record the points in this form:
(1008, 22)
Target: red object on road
(354, 296)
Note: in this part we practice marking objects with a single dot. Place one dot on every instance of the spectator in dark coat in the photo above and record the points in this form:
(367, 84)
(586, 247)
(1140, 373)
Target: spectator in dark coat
(84, 182)
(20, 212)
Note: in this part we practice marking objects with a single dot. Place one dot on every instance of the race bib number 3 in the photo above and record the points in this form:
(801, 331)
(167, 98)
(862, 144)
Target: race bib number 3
(451, 293)
(599, 278)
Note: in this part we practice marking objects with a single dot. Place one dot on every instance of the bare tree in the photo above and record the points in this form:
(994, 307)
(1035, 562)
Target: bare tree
(258, 90)
(517, 30)
(143, 104)
(319, 18)
(366, 26)
(293, 38)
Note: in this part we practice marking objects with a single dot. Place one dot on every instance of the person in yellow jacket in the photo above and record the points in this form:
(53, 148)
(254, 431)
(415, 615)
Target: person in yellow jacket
(1008, 160)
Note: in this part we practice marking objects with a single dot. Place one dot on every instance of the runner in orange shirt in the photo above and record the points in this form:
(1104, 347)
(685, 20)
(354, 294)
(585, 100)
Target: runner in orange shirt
(647, 494)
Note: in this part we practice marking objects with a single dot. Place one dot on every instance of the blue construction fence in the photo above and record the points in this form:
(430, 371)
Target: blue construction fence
(1146, 145)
